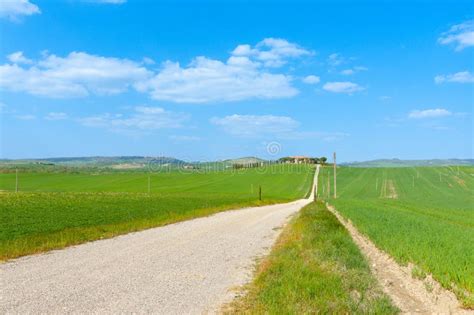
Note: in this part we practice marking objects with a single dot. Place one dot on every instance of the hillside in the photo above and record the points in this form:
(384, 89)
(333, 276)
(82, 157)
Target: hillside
(117, 162)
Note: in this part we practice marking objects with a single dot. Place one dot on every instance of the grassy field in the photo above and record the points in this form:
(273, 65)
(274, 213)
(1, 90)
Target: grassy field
(423, 216)
(54, 210)
(314, 268)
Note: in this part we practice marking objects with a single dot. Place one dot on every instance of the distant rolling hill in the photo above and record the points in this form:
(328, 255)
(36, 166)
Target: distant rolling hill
(411, 163)
(118, 162)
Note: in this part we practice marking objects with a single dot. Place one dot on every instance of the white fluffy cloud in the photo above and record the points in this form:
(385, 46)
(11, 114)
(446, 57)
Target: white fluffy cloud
(248, 73)
(460, 35)
(353, 70)
(272, 52)
(459, 77)
(142, 119)
(311, 79)
(342, 87)
(56, 116)
(244, 75)
(76, 75)
(13, 9)
(255, 126)
(208, 80)
(335, 59)
(19, 58)
(181, 138)
(429, 113)
(279, 127)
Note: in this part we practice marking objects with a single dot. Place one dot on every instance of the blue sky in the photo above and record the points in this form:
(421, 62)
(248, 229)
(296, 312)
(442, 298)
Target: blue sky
(204, 80)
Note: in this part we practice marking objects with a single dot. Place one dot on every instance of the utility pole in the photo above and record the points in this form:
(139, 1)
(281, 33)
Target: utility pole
(260, 193)
(16, 181)
(335, 188)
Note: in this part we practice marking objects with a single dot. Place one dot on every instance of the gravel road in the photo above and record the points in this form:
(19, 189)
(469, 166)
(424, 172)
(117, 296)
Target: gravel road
(185, 268)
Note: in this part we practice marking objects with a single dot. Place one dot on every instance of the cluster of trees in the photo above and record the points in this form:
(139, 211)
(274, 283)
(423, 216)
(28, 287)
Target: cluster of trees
(321, 160)
(312, 160)
(246, 165)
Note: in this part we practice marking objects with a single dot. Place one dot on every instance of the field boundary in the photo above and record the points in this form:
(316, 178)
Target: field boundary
(407, 293)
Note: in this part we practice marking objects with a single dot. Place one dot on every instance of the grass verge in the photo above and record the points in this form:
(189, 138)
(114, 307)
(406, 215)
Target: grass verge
(314, 268)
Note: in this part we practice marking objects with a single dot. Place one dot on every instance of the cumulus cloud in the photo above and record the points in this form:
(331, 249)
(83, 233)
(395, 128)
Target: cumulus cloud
(181, 138)
(279, 127)
(56, 116)
(18, 58)
(142, 119)
(13, 9)
(429, 113)
(459, 77)
(254, 125)
(348, 72)
(75, 75)
(342, 87)
(311, 79)
(272, 52)
(335, 59)
(353, 70)
(248, 73)
(208, 80)
(460, 35)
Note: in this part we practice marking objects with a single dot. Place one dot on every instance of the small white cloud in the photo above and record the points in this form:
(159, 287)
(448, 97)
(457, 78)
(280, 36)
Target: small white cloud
(460, 35)
(429, 113)
(335, 59)
(311, 79)
(143, 119)
(26, 117)
(181, 138)
(13, 9)
(18, 58)
(255, 126)
(459, 77)
(347, 72)
(385, 98)
(56, 116)
(272, 52)
(354, 70)
(342, 87)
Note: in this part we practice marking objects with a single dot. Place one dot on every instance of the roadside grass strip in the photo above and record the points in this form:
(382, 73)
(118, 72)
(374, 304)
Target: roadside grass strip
(315, 267)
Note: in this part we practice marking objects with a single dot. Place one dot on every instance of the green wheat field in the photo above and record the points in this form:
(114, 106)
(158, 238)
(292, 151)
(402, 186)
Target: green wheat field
(53, 210)
(422, 215)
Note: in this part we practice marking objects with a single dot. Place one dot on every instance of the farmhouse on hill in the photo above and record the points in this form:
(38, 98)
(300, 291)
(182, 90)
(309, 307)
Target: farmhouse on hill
(299, 159)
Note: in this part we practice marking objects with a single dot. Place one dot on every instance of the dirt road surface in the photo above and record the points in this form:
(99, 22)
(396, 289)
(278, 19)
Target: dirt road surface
(190, 267)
